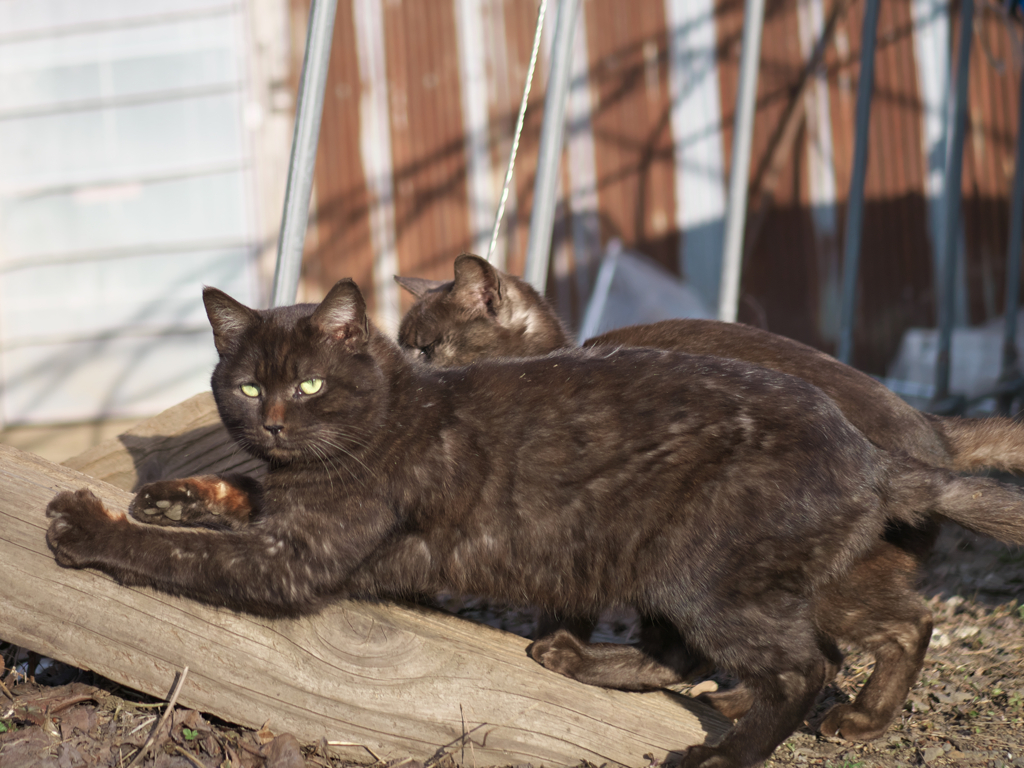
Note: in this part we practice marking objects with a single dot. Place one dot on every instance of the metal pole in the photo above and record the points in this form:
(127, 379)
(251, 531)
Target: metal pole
(951, 194)
(855, 201)
(1010, 369)
(541, 12)
(308, 111)
(739, 174)
(542, 220)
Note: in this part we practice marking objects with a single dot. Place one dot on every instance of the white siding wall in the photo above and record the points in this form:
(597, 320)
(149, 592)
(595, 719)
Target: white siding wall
(125, 186)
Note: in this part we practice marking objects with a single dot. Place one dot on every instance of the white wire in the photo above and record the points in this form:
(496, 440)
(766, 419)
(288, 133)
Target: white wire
(519, 128)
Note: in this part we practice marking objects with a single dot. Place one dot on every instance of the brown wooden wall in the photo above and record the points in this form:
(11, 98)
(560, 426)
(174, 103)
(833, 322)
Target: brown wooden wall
(627, 76)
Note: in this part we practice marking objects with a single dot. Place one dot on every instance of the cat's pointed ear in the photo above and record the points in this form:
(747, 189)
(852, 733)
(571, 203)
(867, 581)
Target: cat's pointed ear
(478, 285)
(229, 318)
(417, 286)
(342, 314)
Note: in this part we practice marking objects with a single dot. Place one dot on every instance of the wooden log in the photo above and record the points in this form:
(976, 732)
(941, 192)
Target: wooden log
(187, 439)
(399, 680)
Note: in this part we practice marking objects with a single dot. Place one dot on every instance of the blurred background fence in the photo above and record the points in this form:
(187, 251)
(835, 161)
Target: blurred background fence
(143, 150)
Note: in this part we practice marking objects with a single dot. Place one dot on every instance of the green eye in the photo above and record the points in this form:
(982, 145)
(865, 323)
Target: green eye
(311, 386)
(250, 390)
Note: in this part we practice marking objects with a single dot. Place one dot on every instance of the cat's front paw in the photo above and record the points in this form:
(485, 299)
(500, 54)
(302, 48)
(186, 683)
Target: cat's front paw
(204, 501)
(169, 502)
(850, 722)
(79, 527)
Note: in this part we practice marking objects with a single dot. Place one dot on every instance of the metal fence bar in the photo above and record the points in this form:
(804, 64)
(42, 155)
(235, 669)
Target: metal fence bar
(308, 111)
(951, 195)
(739, 175)
(1010, 369)
(542, 219)
(855, 203)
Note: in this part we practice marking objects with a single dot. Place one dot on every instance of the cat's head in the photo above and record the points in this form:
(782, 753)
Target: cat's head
(304, 382)
(482, 313)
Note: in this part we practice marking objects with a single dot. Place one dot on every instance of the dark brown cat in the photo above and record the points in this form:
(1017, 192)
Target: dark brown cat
(485, 313)
(722, 500)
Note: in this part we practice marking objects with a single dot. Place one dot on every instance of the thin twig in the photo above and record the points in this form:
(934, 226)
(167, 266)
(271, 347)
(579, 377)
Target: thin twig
(70, 703)
(188, 756)
(354, 744)
(251, 749)
(163, 720)
(147, 721)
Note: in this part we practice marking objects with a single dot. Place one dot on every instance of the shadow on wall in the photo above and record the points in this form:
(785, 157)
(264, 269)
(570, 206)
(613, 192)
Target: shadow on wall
(791, 271)
(785, 276)
(790, 283)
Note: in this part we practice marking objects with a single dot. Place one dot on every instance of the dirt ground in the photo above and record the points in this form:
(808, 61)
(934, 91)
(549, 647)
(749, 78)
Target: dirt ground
(967, 709)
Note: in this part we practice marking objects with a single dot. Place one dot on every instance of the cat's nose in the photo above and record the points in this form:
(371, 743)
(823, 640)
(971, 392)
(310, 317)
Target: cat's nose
(273, 417)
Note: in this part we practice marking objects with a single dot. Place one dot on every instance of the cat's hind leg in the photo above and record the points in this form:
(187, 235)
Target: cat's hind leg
(660, 659)
(733, 703)
(778, 704)
(769, 641)
(227, 501)
(608, 665)
(877, 608)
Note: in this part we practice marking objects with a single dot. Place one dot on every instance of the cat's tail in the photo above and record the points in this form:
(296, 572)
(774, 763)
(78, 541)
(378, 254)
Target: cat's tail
(995, 442)
(980, 504)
